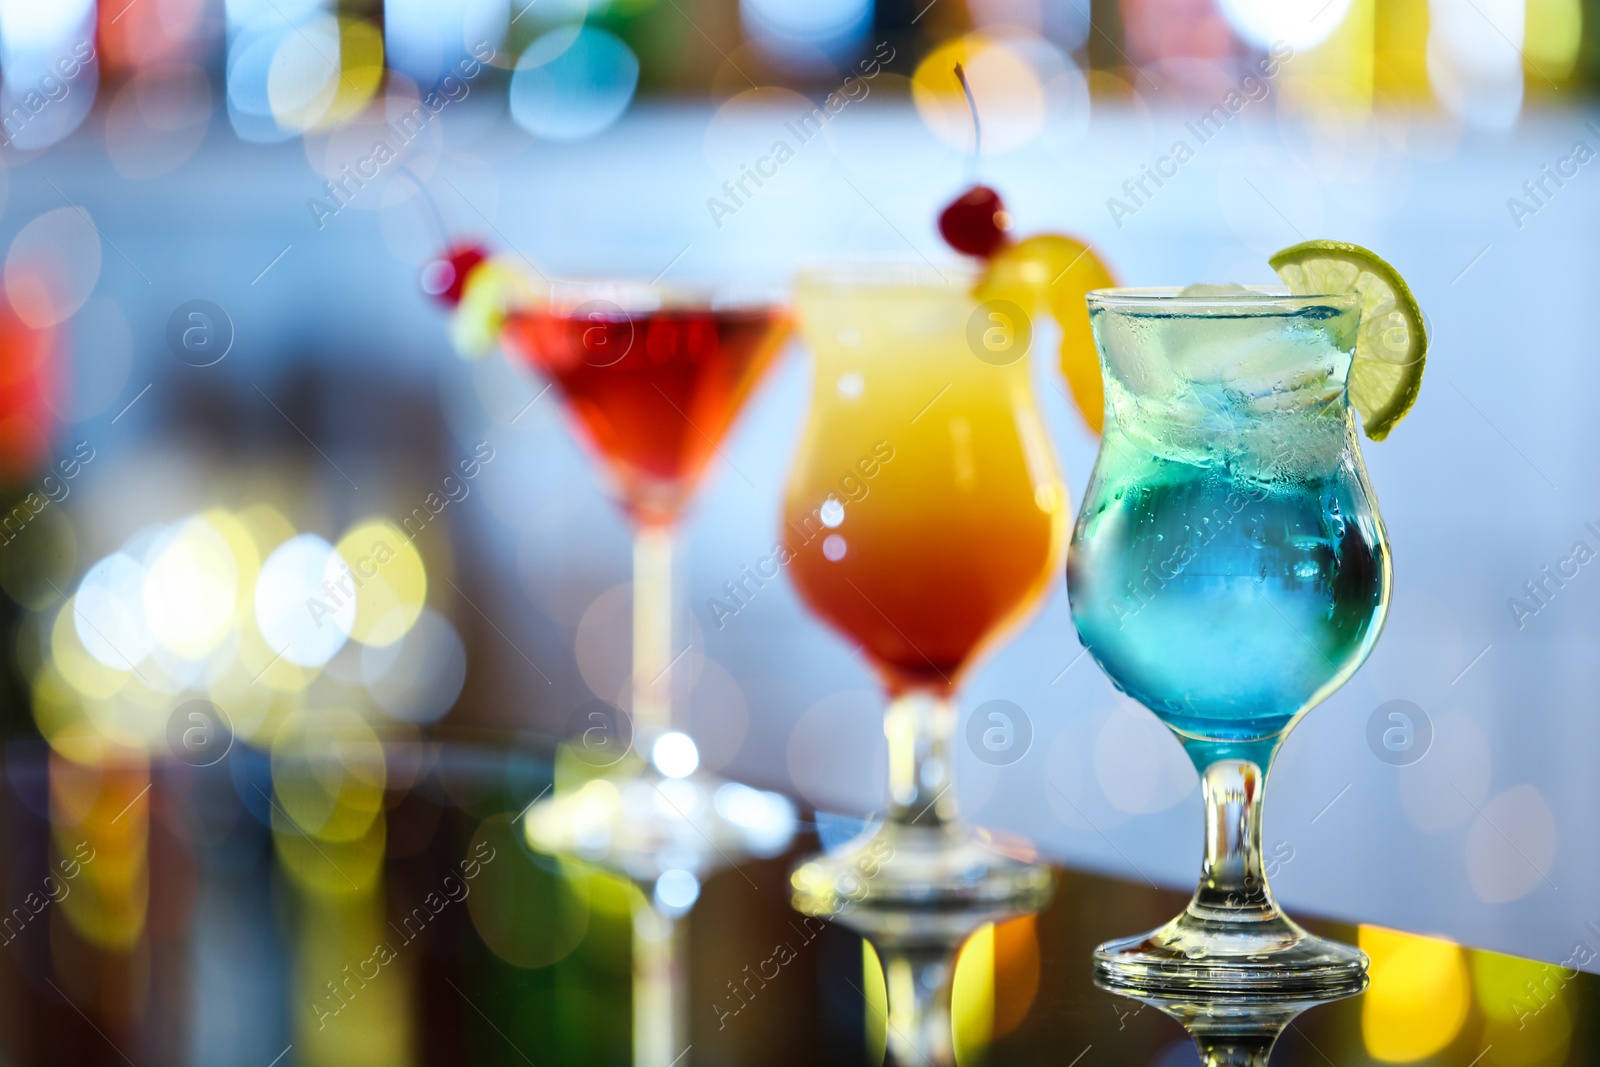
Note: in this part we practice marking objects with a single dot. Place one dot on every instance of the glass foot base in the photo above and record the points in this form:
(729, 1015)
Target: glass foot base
(1271, 955)
(914, 883)
(642, 824)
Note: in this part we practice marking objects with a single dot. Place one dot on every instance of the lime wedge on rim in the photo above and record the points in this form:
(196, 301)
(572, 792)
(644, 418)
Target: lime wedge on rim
(1392, 340)
(493, 288)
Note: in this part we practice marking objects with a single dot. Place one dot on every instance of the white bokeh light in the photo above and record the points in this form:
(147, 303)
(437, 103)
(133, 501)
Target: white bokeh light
(1475, 59)
(676, 891)
(108, 613)
(51, 69)
(28, 25)
(767, 820)
(262, 66)
(426, 39)
(797, 33)
(303, 74)
(675, 754)
(1296, 23)
(301, 609)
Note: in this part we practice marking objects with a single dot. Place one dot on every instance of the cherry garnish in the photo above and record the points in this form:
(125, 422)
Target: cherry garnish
(445, 278)
(975, 223)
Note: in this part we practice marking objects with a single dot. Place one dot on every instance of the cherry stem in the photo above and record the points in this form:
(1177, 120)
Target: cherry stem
(972, 105)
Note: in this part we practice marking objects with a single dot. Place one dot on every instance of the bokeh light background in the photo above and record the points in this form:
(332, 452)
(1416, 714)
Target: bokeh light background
(319, 520)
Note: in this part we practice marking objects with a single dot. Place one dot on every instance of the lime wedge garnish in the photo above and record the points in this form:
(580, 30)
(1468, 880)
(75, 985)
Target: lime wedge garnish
(1057, 271)
(1391, 342)
(493, 288)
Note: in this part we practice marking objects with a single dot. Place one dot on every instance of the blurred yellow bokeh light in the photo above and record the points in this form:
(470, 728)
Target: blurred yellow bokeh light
(1009, 94)
(360, 71)
(1419, 995)
(329, 773)
(1552, 38)
(388, 579)
(303, 76)
(82, 671)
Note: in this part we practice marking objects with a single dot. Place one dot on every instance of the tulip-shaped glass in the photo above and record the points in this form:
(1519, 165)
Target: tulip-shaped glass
(1229, 571)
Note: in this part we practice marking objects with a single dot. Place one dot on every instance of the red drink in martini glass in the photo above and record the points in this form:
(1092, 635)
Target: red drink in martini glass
(652, 379)
(651, 389)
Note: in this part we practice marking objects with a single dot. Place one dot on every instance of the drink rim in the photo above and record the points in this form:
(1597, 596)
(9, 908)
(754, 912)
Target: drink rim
(887, 273)
(1263, 301)
(631, 296)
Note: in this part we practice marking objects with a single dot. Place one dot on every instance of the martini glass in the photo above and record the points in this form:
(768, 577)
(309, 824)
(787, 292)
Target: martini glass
(924, 517)
(652, 378)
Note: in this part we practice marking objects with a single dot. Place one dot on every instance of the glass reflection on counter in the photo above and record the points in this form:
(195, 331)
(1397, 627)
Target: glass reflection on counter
(193, 923)
(1236, 1030)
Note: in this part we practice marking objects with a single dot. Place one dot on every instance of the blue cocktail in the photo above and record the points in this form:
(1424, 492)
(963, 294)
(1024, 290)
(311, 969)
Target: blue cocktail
(1229, 571)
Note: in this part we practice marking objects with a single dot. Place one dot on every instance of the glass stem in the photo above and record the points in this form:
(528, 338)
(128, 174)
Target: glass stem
(1243, 1051)
(660, 981)
(652, 635)
(1233, 886)
(918, 987)
(921, 773)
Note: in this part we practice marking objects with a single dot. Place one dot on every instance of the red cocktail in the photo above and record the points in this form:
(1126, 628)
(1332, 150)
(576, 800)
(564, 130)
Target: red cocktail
(652, 378)
(652, 391)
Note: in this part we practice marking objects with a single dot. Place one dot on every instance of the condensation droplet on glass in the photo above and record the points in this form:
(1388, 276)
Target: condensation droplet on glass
(833, 547)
